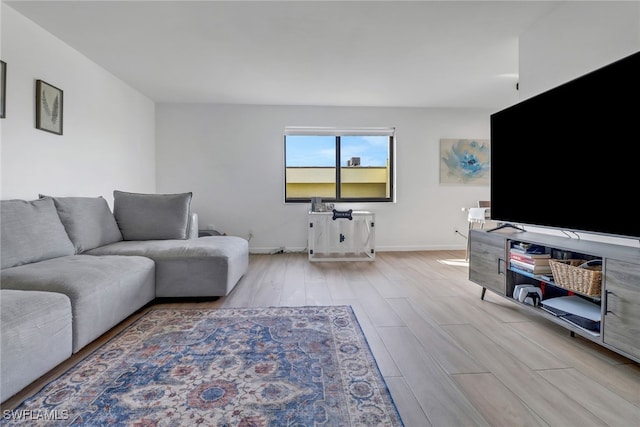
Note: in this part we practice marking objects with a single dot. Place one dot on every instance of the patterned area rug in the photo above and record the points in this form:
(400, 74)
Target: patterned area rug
(284, 366)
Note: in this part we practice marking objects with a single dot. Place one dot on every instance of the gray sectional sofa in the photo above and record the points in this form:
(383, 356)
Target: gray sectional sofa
(71, 270)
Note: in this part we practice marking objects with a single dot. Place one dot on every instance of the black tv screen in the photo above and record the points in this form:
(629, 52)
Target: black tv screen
(569, 158)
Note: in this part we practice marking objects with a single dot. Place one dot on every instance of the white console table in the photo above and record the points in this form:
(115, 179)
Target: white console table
(341, 236)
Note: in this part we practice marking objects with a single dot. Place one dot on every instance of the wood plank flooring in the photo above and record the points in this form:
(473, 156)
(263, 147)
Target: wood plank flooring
(448, 357)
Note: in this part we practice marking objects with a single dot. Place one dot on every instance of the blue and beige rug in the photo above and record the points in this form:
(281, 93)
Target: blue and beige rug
(284, 366)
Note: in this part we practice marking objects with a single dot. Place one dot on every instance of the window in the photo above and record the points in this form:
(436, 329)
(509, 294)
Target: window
(339, 165)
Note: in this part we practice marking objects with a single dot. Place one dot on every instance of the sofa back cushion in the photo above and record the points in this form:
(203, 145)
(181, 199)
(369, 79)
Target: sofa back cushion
(88, 221)
(152, 216)
(31, 231)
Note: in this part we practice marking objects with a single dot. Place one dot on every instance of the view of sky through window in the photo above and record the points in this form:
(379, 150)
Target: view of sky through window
(310, 150)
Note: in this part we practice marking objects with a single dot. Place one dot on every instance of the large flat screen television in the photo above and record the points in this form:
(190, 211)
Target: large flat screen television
(569, 158)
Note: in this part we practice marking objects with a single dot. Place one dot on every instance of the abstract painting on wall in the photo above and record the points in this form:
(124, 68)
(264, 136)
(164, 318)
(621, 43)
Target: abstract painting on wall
(465, 161)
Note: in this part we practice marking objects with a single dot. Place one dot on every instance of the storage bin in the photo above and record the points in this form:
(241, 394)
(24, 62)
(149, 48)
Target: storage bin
(568, 275)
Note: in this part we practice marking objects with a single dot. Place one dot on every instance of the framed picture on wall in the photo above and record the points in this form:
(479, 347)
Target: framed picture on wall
(465, 161)
(49, 103)
(3, 89)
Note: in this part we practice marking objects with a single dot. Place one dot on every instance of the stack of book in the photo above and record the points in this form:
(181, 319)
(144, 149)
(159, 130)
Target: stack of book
(531, 259)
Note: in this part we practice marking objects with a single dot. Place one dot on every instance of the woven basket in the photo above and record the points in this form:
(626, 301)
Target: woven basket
(566, 274)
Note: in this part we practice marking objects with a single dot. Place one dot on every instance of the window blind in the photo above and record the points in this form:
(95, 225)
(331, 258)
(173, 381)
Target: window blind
(330, 131)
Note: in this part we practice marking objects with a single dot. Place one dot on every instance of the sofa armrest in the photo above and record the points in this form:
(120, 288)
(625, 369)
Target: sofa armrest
(192, 231)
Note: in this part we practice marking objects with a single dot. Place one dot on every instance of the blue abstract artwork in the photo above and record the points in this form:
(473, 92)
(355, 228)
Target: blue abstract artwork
(465, 161)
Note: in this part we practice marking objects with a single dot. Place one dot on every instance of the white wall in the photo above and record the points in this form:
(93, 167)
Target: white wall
(233, 154)
(231, 157)
(600, 32)
(108, 141)
(552, 53)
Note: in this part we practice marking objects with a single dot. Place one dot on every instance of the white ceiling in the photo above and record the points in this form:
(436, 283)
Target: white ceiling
(324, 53)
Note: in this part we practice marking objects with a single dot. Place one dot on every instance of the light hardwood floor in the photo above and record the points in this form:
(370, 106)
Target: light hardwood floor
(449, 358)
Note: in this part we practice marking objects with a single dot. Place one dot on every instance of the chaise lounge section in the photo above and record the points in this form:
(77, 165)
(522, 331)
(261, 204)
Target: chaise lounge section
(203, 267)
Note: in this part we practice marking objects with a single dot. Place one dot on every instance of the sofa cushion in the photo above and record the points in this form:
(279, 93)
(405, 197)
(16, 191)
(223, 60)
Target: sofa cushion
(31, 231)
(103, 290)
(35, 338)
(152, 216)
(88, 221)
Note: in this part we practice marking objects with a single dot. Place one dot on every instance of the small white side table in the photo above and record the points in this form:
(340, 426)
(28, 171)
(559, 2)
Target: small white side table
(341, 236)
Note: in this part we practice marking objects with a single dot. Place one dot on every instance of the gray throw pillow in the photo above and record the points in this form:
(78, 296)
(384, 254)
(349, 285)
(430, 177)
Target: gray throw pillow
(152, 216)
(88, 221)
(31, 231)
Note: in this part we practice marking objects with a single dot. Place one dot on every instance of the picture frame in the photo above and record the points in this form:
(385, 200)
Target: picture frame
(465, 161)
(3, 89)
(49, 107)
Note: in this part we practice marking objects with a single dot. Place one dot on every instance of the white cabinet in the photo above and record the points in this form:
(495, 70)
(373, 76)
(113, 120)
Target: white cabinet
(341, 236)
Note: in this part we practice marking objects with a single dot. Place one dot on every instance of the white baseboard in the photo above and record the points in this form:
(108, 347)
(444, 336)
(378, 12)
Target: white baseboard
(273, 250)
(420, 248)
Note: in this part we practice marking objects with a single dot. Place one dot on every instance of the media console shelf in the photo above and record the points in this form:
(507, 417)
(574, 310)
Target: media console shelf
(618, 300)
